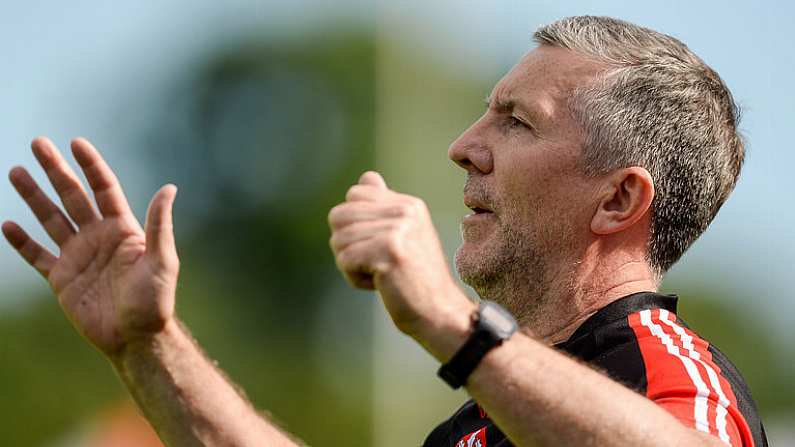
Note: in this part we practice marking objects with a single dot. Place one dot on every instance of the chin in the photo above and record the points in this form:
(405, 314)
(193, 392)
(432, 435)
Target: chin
(473, 266)
(464, 256)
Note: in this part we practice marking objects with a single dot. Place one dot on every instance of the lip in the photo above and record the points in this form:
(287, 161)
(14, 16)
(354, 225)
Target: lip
(476, 217)
(477, 206)
(474, 201)
(481, 214)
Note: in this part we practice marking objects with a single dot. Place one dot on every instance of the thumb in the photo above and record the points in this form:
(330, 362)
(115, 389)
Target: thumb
(160, 225)
(372, 178)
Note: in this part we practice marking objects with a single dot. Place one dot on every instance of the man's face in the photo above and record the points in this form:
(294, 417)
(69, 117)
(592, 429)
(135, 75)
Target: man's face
(530, 200)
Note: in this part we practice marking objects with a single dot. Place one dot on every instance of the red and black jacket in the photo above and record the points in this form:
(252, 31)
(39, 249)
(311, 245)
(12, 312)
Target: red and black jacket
(640, 342)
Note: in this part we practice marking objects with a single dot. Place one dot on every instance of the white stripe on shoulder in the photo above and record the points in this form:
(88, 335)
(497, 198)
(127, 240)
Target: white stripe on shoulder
(723, 402)
(702, 391)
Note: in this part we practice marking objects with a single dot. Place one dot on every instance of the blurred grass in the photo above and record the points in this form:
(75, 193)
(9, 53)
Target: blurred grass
(51, 380)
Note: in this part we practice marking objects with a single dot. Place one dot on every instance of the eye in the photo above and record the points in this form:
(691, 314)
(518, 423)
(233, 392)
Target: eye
(515, 123)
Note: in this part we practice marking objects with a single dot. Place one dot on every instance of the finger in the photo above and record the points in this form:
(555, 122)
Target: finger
(356, 232)
(65, 181)
(356, 263)
(364, 281)
(55, 223)
(373, 178)
(360, 280)
(351, 212)
(160, 225)
(360, 192)
(35, 255)
(107, 189)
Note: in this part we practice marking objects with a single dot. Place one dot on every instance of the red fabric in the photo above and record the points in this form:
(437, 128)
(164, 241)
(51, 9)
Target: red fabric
(475, 439)
(673, 387)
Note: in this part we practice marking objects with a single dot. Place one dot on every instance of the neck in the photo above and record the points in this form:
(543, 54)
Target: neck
(580, 310)
(579, 291)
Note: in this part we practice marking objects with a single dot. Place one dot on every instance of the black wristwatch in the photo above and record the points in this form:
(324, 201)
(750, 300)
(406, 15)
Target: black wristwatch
(492, 325)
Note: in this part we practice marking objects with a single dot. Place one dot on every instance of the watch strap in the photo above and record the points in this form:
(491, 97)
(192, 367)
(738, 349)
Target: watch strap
(491, 325)
(460, 366)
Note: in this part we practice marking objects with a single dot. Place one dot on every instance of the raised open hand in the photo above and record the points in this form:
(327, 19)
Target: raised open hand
(115, 281)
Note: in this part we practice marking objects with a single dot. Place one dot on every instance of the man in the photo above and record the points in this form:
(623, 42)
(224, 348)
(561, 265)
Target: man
(601, 157)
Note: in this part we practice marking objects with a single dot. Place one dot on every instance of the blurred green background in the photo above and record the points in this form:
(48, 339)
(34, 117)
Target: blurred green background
(263, 113)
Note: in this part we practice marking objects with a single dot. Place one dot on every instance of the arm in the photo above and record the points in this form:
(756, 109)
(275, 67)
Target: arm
(116, 282)
(187, 399)
(537, 396)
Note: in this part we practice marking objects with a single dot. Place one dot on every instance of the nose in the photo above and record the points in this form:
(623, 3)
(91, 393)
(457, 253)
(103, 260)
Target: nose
(471, 151)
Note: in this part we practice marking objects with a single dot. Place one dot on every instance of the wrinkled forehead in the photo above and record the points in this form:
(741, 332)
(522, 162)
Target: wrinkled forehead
(545, 79)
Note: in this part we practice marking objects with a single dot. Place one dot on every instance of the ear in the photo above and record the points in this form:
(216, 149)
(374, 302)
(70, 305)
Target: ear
(625, 197)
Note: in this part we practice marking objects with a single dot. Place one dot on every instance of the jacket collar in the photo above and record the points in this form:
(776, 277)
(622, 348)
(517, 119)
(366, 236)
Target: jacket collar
(617, 310)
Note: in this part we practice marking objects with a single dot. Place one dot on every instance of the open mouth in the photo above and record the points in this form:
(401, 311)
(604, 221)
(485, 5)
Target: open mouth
(479, 204)
(478, 210)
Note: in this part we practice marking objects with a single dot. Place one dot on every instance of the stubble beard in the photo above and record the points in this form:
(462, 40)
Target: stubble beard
(510, 271)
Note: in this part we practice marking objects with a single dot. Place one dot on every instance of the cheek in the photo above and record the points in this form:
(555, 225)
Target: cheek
(544, 200)
(569, 214)
(532, 168)
(529, 187)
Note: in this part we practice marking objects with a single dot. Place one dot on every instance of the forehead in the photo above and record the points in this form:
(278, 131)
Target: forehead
(545, 78)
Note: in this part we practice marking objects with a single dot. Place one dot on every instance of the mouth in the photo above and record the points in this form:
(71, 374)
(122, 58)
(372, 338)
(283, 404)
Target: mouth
(478, 205)
(479, 210)
(478, 199)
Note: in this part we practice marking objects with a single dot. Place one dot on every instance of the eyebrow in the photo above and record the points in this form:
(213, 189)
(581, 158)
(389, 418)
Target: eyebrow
(500, 105)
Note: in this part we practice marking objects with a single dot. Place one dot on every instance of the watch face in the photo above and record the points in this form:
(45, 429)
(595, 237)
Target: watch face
(498, 320)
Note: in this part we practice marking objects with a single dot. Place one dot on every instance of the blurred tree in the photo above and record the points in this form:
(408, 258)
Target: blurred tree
(263, 139)
(275, 134)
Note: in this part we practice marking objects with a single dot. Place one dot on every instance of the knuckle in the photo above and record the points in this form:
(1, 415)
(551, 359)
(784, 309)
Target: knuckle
(166, 264)
(393, 243)
(410, 207)
(335, 241)
(404, 209)
(354, 192)
(383, 266)
(335, 215)
(345, 260)
(331, 243)
(173, 262)
(418, 204)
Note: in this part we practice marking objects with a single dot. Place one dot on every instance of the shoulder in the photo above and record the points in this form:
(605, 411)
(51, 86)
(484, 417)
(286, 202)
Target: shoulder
(693, 380)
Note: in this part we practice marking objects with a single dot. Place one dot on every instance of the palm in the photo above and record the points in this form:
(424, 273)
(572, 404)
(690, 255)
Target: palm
(105, 285)
(114, 281)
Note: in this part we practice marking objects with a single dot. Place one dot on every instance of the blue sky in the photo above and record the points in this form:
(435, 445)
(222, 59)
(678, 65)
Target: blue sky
(65, 63)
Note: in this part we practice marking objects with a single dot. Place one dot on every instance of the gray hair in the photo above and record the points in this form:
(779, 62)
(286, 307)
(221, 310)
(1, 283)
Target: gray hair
(660, 107)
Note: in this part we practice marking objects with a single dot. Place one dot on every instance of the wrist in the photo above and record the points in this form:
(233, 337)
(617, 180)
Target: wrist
(492, 325)
(171, 334)
(444, 330)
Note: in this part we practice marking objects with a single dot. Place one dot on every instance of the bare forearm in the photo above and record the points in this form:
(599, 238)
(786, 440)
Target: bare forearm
(188, 401)
(538, 396)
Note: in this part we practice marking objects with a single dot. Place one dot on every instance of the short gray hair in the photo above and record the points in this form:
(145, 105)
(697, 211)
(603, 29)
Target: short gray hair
(660, 107)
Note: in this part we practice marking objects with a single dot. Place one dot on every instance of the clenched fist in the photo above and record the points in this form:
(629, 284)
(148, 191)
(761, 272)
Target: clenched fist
(385, 240)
